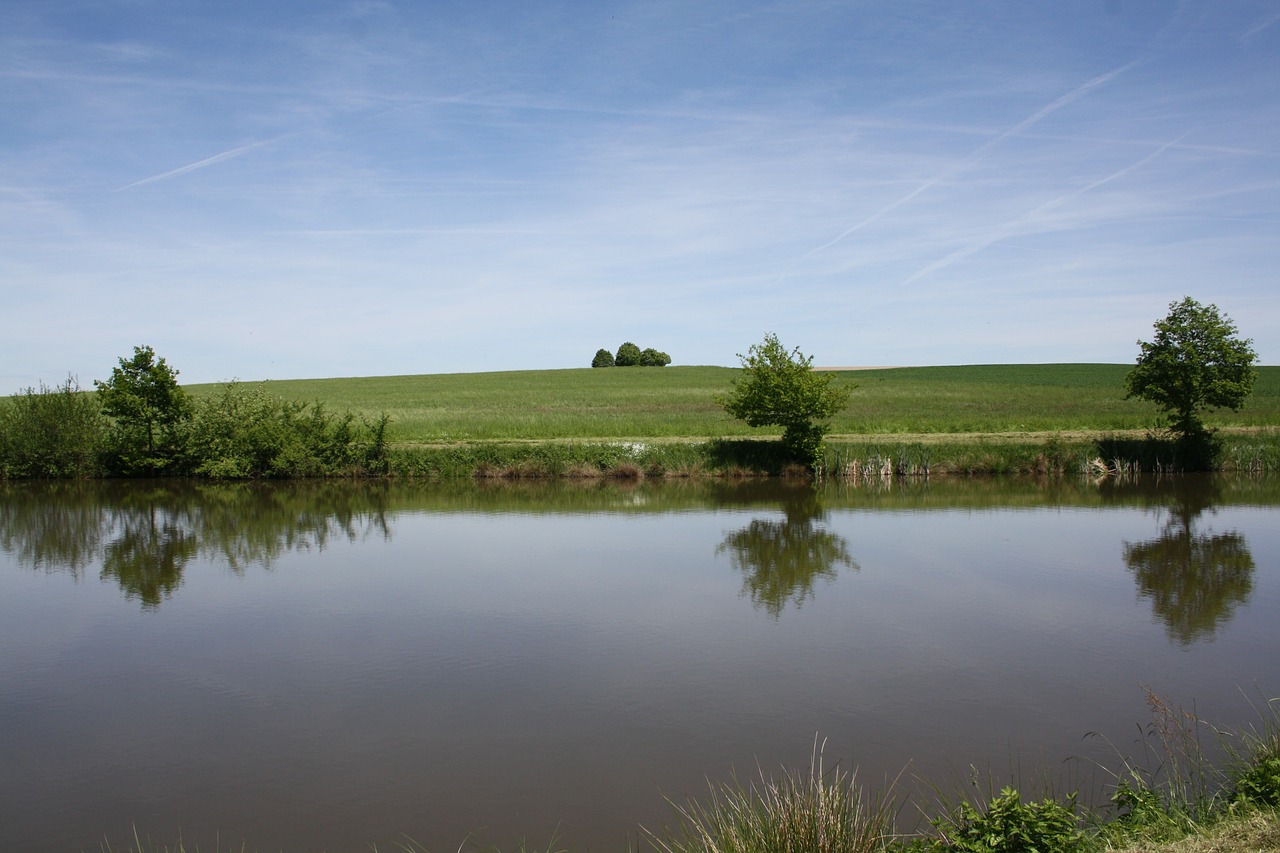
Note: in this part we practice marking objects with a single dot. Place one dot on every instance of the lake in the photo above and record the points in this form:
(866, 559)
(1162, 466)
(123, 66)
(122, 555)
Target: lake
(334, 665)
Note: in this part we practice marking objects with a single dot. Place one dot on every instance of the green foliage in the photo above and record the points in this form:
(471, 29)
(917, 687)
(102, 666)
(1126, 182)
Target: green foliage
(148, 408)
(1255, 777)
(1008, 825)
(781, 389)
(603, 358)
(50, 432)
(628, 355)
(243, 432)
(1259, 783)
(1195, 362)
(650, 357)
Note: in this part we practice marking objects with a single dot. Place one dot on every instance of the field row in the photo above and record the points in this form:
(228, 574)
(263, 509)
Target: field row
(653, 403)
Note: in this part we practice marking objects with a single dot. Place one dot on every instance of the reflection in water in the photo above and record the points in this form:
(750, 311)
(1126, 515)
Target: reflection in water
(781, 560)
(149, 553)
(144, 535)
(1194, 580)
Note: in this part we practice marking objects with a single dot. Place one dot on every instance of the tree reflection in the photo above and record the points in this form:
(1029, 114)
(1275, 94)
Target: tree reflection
(144, 536)
(1194, 580)
(782, 560)
(147, 557)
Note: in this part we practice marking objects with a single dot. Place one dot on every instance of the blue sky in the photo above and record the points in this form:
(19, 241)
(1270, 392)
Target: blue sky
(310, 189)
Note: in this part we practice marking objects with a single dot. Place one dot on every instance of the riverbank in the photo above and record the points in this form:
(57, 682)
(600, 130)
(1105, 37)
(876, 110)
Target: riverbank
(1004, 419)
(855, 458)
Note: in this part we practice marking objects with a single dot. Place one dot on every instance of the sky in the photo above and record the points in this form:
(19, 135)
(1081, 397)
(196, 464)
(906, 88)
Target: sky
(315, 189)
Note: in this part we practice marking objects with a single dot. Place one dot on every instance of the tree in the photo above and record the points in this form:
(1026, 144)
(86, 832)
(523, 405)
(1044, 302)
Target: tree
(603, 358)
(628, 355)
(147, 404)
(652, 358)
(779, 388)
(1195, 362)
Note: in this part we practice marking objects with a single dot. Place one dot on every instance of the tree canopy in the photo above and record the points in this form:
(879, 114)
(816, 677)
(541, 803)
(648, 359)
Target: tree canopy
(630, 355)
(1195, 362)
(147, 404)
(779, 388)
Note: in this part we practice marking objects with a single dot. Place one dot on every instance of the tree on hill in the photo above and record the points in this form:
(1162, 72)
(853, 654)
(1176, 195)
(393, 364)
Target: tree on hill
(1195, 362)
(628, 355)
(779, 388)
(650, 357)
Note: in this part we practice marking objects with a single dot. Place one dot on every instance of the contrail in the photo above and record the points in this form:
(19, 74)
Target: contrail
(1021, 127)
(1011, 227)
(1259, 27)
(200, 164)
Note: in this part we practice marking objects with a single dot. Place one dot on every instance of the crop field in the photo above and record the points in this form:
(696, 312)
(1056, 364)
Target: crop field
(680, 402)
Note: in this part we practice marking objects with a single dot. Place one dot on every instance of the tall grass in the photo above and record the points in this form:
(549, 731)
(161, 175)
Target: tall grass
(794, 812)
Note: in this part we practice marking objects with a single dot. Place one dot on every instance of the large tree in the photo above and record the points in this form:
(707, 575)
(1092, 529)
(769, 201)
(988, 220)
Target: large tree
(147, 404)
(779, 388)
(1195, 362)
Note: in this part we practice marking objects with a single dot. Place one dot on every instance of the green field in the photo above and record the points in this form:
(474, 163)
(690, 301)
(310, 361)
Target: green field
(679, 402)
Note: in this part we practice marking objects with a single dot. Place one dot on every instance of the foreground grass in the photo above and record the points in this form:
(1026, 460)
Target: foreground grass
(1250, 833)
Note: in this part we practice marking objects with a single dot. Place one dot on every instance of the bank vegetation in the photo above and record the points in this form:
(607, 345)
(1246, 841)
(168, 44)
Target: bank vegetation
(899, 422)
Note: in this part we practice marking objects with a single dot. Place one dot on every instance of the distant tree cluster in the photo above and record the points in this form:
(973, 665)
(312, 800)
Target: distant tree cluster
(630, 355)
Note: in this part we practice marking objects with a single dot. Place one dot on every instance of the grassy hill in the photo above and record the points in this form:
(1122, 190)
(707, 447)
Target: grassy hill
(679, 402)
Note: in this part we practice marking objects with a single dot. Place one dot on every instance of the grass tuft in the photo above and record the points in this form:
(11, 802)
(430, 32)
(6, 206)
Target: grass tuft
(795, 812)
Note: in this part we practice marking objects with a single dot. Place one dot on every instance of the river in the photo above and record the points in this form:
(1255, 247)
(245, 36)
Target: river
(335, 665)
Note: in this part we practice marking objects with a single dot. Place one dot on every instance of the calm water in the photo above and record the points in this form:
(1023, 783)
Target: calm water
(329, 666)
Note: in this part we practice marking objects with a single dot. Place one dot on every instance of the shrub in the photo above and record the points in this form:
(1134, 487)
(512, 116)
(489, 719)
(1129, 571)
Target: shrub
(50, 432)
(603, 358)
(244, 432)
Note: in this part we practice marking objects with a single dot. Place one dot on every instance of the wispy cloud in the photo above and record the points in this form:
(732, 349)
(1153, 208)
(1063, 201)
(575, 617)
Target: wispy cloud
(1012, 227)
(200, 164)
(979, 153)
(1261, 25)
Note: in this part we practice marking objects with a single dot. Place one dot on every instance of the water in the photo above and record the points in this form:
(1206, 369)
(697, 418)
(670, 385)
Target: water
(333, 666)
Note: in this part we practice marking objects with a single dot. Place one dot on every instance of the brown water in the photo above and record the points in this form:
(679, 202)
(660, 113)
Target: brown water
(332, 666)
